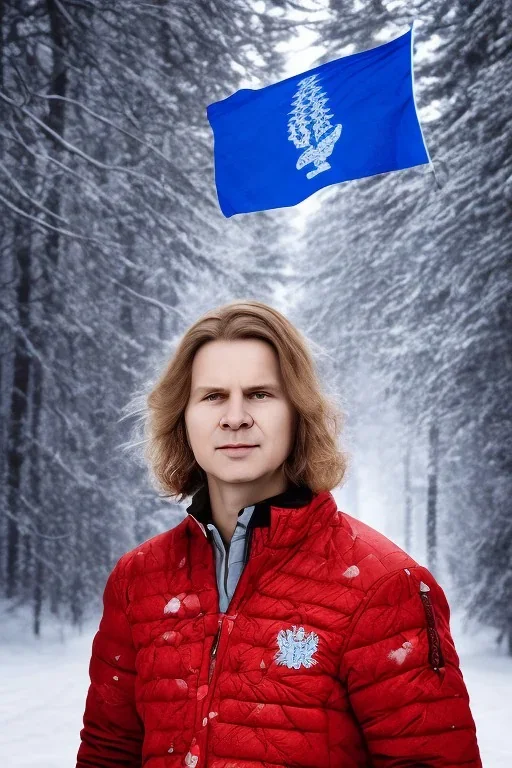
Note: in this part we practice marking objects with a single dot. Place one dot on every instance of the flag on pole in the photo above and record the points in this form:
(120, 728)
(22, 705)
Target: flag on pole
(346, 119)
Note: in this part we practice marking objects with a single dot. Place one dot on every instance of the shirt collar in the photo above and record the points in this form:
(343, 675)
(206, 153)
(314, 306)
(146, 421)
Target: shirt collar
(244, 517)
(293, 497)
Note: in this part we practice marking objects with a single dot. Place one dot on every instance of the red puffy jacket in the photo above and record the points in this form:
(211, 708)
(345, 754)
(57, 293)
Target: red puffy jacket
(335, 652)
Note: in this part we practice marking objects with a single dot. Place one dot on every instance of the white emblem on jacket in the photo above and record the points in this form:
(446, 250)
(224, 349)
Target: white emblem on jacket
(296, 648)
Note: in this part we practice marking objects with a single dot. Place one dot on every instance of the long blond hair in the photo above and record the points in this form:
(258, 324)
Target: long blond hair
(315, 461)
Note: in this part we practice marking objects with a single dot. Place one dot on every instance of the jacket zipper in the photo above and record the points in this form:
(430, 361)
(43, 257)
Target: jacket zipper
(436, 659)
(215, 646)
(213, 653)
(216, 642)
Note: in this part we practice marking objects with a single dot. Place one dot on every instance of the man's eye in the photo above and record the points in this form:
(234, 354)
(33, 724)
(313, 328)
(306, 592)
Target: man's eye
(214, 394)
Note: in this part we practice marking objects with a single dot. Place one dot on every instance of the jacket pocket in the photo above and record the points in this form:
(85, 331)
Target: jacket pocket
(435, 658)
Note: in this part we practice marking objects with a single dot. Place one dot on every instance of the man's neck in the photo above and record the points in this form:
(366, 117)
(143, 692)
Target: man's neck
(227, 499)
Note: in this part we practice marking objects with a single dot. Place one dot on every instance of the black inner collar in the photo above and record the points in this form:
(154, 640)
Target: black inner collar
(293, 497)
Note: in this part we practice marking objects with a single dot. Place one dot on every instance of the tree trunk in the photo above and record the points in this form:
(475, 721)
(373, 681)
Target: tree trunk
(55, 120)
(35, 486)
(18, 413)
(432, 498)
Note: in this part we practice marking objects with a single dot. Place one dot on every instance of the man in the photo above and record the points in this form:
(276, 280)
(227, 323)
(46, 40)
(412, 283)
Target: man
(268, 628)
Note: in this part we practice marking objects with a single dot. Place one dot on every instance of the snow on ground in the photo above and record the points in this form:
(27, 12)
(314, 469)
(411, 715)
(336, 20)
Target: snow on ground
(43, 684)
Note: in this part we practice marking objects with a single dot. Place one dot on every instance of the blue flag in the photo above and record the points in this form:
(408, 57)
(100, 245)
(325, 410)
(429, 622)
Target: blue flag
(352, 117)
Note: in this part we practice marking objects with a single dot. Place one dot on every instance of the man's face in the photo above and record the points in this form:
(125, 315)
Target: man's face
(237, 396)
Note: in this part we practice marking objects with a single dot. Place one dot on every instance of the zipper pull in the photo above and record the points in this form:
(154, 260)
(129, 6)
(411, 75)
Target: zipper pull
(434, 641)
(214, 650)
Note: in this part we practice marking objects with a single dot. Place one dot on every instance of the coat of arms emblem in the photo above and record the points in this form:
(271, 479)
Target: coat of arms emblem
(310, 127)
(296, 647)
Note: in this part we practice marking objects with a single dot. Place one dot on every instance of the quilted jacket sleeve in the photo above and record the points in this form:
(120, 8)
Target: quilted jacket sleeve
(402, 674)
(113, 732)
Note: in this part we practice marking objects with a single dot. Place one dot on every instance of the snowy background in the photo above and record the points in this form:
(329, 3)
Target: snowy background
(112, 244)
(43, 687)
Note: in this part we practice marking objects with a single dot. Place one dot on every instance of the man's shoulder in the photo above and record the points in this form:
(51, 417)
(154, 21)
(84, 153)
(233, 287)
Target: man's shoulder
(158, 552)
(372, 555)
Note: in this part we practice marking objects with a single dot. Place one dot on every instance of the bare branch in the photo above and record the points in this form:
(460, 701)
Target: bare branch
(76, 151)
(65, 232)
(16, 330)
(106, 121)
(165, 308)
(24, 194)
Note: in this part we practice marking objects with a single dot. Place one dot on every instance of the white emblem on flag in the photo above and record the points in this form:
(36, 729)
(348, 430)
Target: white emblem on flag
(310, 115)
(296, 647)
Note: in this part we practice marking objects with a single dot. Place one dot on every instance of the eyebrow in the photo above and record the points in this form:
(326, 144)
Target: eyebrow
(257, 387)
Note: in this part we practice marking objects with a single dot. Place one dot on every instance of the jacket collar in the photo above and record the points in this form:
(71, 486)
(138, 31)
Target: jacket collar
(294, 497)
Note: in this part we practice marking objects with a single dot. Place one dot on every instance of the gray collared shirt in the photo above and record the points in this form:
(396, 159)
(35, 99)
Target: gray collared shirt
(229, 565)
